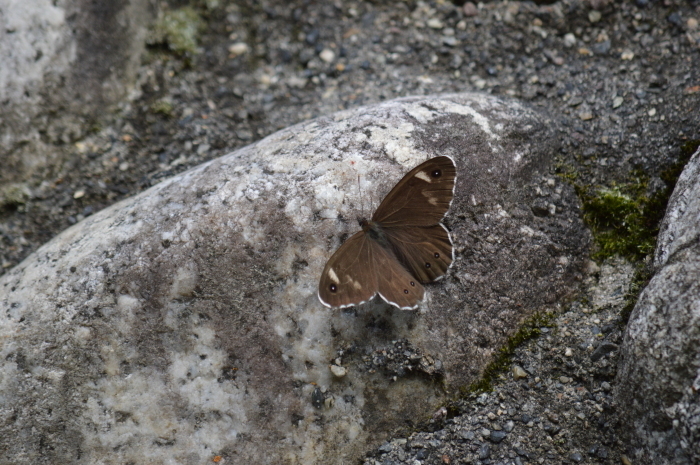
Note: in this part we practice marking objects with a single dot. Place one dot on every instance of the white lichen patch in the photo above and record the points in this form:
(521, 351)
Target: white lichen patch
(184, 281)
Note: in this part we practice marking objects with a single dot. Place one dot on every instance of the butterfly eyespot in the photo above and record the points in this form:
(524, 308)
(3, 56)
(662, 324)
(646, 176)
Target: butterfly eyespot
(333, 288)
(413, 284)
(436, 173)
(405, 291)
(427, 265)
(437, 255)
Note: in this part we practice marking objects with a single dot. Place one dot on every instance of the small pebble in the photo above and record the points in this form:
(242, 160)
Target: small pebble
(317, 397)
(78, 194)
(239, 48)
(569, 39)
(450, 41)
(312, 37)
(594, 16)
(244, 134)
(469, 9)
(602, 350)
(627, 55)
(617, 101)
(585, 115)
(434, 23)
(327, 55)
(203, 148)
(591, 267)
(484, 452)
(675, 19)
(691, 24)
(297, 82)
(568, 352)
(518, 372)
(338, 371)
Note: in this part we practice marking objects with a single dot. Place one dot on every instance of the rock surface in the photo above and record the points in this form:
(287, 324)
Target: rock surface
(183, 323)
(659, 374)
(64, 63)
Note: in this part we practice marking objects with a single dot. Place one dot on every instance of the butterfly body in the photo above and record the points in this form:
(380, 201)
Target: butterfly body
(374, 231)
(403, 246)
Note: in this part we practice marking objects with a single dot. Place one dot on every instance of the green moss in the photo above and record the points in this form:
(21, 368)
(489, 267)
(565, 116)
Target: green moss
(625, 218)
(13, 195)
(565, 171)
(531, 328)
(179, 30)
(162, 107)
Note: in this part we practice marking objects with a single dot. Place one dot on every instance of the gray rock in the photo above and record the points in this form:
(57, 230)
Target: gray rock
(183, 323)
(659, 375)
(63, 63)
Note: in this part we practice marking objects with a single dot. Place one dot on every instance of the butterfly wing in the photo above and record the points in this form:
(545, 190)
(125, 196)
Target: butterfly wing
(396, 285)
(422, 197)
(360, 269)
(349, 277)
(425, 251)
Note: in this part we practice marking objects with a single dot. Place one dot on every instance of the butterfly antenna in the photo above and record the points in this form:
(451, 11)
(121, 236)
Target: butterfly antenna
(362, 203)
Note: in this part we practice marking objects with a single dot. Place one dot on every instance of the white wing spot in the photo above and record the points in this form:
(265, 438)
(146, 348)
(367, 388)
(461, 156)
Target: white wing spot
(423, 176)
(333, 276)
(432, 200)
(356, 284)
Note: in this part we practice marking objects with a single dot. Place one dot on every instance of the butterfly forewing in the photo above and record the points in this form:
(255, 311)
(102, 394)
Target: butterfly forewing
(422, 197)
(350, 276)
(425, 251)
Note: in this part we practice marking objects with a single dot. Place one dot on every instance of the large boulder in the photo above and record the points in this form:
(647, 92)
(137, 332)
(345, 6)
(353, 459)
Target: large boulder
(63, 64)
(659, 374)
(183, 324)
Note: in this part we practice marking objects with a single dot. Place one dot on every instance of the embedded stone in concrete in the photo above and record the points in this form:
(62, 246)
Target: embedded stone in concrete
(183, 323)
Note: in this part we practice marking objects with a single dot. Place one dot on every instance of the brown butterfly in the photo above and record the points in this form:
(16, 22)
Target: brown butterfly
(401, 247)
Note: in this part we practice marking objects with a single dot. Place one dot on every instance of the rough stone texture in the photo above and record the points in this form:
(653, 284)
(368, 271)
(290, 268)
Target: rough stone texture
(183, 323)
(63, 63)
(659, 374)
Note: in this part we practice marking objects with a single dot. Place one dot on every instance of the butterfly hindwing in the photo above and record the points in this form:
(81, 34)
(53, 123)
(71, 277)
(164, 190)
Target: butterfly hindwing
(422, 197)
(425, 251)
(396, 285)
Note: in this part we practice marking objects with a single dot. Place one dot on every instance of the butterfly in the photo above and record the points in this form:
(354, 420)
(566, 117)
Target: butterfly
(401, 248)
